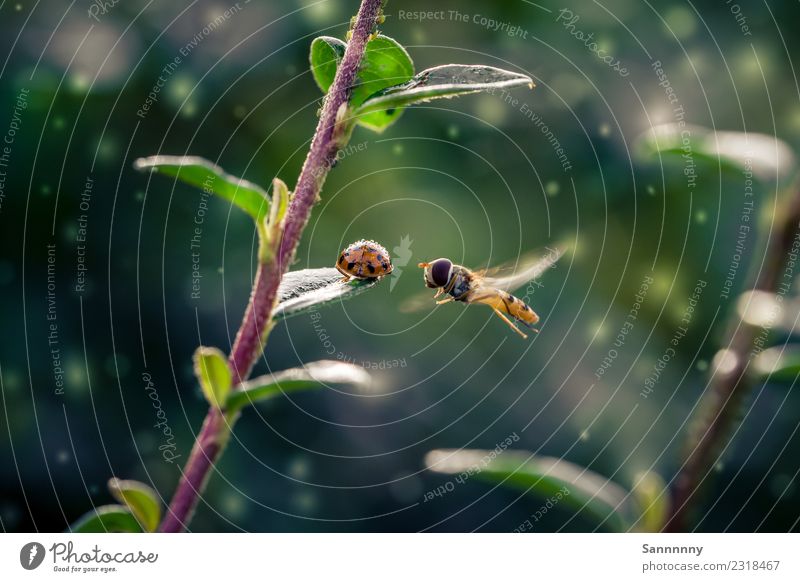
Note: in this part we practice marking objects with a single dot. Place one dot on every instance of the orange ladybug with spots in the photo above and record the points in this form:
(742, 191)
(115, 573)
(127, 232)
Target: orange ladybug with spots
(364, 259)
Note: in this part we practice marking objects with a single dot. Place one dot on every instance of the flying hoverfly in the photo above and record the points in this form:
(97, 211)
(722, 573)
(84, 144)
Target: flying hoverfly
(489, 286)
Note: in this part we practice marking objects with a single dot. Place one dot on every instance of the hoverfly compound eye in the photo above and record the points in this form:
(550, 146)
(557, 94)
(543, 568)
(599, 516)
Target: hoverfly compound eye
(440, 271)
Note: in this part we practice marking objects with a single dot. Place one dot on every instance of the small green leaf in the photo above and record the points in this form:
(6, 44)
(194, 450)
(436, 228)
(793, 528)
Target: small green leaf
(309, 288)
(326, 54)
(437, 83)
(107, 519)
(385, 64)
(140, 499)
(651, 497)
(766, 156)
(210, 178)
(277, 213)
(778, 364)
(311, 375)
(270, 230)
(213, 373)
(581, 489)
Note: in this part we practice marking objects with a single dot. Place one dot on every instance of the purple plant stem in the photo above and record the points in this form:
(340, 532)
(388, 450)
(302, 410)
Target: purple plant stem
(719, 412)
(249, 340)
(207, 448)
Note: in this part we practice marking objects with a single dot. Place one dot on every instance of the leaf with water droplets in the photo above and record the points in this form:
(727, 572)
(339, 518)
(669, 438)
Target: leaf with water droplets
(301, 291)
(441, 82)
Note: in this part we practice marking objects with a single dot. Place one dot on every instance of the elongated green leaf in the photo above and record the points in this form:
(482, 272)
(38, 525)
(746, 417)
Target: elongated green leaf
(582, 490)
(312, 375)
(213, 373)
(210, 178)
(140, 499)
(107, 519)
(764, 155)
(441, 82)
(778, 364)
(310, 288)
(325, 56)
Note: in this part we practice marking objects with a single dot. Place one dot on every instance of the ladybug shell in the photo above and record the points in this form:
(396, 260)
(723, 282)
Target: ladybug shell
(364, 259)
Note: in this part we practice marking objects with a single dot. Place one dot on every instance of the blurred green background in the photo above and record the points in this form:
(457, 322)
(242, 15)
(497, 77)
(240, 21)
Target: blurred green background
(475, 179)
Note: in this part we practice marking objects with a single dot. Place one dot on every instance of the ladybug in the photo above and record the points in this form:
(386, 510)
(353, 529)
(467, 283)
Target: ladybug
(364, 259)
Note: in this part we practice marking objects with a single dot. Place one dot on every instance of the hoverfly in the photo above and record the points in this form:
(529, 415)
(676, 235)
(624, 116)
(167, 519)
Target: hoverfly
(489, 286)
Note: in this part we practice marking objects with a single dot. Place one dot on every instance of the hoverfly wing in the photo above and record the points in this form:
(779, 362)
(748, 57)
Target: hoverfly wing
(418, 302)
(516, 274)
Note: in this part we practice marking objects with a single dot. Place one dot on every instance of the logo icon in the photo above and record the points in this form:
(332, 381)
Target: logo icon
(402, 256)
(31, 555)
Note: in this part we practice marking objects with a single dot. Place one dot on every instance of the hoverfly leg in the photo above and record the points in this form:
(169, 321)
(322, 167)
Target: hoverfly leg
(509, 322)
(528, 325)
(439, 291)
(443, 301)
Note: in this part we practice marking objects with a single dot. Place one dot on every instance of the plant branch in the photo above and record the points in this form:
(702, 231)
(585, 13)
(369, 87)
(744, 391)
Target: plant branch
(324, 146)
(719, 411)
(330, 136)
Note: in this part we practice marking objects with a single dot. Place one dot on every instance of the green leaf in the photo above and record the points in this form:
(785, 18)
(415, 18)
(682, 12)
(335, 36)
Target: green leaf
(441, 82)
(277, 213)
(766, 156)
(303, 290)
(385, 64)
(583, 490)
(311, 375)
(778, 364)
(651, 496)
(326, 54)
(210, 178)
(213, 373)
(107, 519)
(140, 499)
